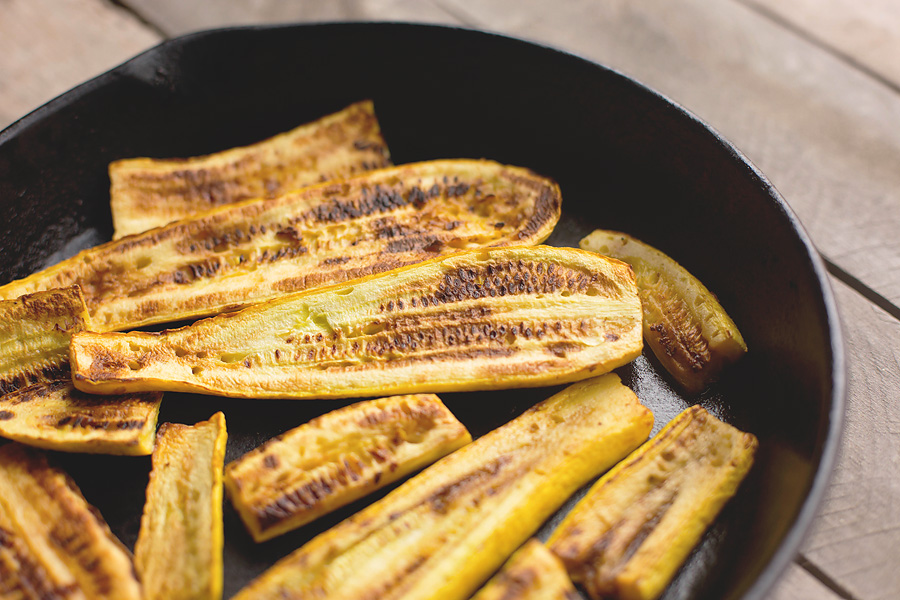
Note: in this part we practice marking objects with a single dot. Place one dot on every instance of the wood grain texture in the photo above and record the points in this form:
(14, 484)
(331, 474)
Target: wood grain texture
(49, 46)
(798, 584)
(856, 538)
(866, 32)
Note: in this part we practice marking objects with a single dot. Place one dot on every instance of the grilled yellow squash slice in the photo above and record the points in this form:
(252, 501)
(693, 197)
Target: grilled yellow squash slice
(337, 458)
(39, 405)
(684, 324)
(627, 537)
(443, 532)
(533, 573)
(147, 193)
(56, 416)
(178, 554)
(483, 319)
(320, 235)
(53, 544)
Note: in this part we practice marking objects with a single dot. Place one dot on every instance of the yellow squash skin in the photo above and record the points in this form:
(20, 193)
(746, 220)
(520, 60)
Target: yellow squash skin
(533, 573)
(320, 235)
(178, 554)
(442, 533)
(53, 544)
(148, 192)
(39, 405)
(684, 324)
(337, 458)
(483, 319)
(632, 531)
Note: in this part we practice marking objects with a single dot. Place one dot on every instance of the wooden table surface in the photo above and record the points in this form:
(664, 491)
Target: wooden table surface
(808, 89)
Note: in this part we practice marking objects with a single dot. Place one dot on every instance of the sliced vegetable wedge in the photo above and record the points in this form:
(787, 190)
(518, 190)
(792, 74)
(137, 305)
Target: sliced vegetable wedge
(533, 573)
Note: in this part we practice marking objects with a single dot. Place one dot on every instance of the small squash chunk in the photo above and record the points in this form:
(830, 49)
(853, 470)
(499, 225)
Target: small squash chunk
(533, 573)
(442, 533)
(39, 405)
(337, 458)
(148, 192)
(483, 319)
(684, 324)
(632, 531)
(320, 235)
(178, 554)
(56, 416)
(53, 544)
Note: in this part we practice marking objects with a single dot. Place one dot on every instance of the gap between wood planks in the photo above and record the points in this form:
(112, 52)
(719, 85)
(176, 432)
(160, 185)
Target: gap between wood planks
(823, 578)
(122, 5)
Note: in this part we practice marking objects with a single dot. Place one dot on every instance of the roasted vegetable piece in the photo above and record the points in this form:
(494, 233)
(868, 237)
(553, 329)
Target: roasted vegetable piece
(53, 544)
(627, 537)
(148, 192)
(684, 324)
(485, 319)
(337, 458)
(56, 416)
(320, 235)
(38, 404)
(443, 532)
(178, 554)
(533, 573)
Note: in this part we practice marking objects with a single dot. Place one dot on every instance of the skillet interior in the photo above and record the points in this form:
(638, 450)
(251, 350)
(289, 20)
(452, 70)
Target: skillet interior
(625, 159)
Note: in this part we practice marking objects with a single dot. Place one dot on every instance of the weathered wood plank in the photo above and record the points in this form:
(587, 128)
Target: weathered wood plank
(866, 32)
(856, 538)
(47, 47)
(798, 584)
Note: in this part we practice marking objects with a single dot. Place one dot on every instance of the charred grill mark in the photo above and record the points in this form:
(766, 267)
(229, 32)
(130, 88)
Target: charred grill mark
(6, 415)
(441, 500)
(37, 374)
(23, 576)
(89, 422)
(546, 209)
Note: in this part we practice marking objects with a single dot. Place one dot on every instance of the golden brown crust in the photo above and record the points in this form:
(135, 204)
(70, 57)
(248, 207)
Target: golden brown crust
(147, 193)
(324, 234)
(53, 544)
(533, 573)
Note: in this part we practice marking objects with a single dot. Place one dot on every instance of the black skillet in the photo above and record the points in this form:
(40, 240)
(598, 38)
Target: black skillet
(625, 157)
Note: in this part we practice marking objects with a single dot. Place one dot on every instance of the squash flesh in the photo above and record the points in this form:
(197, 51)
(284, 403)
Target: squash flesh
(443, 532)
(627, 537)
(178, 554)
(147, 193)
(533, 573)
(53, 544)
(261, 249)
(485, 319)
(338, 458)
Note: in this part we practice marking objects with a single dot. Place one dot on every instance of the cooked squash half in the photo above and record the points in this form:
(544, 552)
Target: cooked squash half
(627, 537)
(39, 405)
(337, 458)
(148, 192)
(53, 544)
(483, 319)
(178, 554)
(321, 235)
(533, 573)
(443, 532)
(684, 324)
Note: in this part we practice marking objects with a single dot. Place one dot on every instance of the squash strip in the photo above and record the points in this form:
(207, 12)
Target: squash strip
(632, 531)
(443, 532)
(178, 553)
(484, 319)
(39, 405)
(337, 458)
(533, 573)
(260, 249)
(53, 544)
(148, 192)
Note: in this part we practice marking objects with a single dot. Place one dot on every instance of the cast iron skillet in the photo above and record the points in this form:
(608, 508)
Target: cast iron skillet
(625, 157)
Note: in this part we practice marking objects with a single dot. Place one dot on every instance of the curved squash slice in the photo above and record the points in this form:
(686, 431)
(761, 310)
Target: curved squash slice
(627, 537)
(178, 553)
(337, 458)
(320, 235)
(533, 573)
(39, 405)
(148, 192)
(442, 533)
(485, 319)
(684, 324)
(53, 544)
